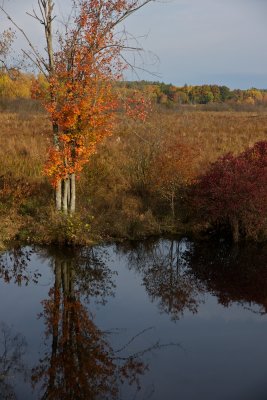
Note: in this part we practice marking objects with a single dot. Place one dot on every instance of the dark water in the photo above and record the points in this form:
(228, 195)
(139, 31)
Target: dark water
(162, 320)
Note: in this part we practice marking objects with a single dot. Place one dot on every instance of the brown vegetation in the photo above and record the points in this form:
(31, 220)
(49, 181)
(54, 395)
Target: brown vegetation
(123, 192)
(121, 179)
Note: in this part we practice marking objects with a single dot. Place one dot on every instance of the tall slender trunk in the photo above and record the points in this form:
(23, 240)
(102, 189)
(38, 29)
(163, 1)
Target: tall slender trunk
(65, 195)
(59, 196)
(69, 193)
(46, 8)
(55, 128)
(73, 193)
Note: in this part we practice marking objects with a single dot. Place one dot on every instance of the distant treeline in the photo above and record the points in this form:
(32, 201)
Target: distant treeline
(16, 84)
(167, 93)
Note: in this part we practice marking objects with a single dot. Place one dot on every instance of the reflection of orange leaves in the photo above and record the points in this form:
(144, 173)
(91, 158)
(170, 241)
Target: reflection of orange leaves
(82, 364)
(132, 370)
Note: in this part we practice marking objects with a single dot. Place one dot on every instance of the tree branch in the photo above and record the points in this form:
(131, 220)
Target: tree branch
(39, 59)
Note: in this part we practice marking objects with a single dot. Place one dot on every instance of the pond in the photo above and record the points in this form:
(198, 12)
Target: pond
(160, 319)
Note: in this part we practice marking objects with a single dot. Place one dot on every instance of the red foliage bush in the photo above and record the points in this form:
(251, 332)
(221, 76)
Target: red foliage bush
(233, 193)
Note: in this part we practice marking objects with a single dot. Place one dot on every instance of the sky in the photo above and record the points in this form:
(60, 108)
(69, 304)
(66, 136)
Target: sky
(187, 41)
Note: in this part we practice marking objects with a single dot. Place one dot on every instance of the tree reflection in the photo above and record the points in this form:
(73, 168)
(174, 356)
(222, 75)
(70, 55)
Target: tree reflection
(12, 350)
(177, 273)
(164, 269)
(232, 273)
(81, 363)
(14, 267)
(85, 269)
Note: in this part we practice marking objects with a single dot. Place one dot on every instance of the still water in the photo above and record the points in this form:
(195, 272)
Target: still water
(162, 320)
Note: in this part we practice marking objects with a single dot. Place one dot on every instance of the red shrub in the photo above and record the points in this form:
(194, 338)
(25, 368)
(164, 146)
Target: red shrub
(233, 192)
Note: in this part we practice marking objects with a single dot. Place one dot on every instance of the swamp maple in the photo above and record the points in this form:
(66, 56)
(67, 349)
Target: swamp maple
(80, 96)
(233, 192)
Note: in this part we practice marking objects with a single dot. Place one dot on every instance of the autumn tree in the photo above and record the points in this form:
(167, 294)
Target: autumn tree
(232, 193)
(225, 93)
(172, 170)
(14, 84)
(79, 95)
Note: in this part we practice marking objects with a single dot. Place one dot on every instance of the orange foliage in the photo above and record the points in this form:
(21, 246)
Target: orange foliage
(79, 96)
(173, 166)
(172, 169)
(138, 106)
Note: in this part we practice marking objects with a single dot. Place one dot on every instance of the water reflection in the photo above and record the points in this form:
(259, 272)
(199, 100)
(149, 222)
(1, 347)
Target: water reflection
(14, 267)
(12, 350)
(80, 363)
(232, 273)
(86, 270)
(176, 274)
(164, 270)
(79, 360)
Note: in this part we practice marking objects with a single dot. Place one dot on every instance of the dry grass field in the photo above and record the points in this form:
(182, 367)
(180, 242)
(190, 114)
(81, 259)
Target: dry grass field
(117, 193)
(24, 139)
(120, 181)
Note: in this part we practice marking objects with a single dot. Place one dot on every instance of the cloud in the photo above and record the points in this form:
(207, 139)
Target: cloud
(196, 38)
(192, 38)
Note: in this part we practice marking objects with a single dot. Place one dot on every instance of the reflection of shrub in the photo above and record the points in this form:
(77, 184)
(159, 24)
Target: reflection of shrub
(233, 193)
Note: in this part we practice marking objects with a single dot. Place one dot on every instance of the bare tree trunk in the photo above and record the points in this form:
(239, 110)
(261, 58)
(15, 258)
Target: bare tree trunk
(69, 194)
(73, 193)
(59, 196)
(59, 184)
(65, 195)
(46, 7)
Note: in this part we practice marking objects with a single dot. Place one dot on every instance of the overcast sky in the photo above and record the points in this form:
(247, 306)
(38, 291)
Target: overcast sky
(196, 41)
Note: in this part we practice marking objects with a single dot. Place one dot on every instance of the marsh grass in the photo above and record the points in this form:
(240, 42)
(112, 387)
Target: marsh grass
(117, 197)
(118, 182)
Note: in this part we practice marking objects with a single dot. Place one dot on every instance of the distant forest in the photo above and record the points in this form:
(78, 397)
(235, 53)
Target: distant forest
(164, 93)
(15, 84)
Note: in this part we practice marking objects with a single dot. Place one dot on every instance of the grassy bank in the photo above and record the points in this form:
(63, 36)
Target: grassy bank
(135, 186)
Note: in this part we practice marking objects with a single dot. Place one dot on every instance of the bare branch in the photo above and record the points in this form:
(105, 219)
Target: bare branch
(39, 59)
(35, 16)
(133, 68)
(41, 8)
(35, 62)
(130, 12)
